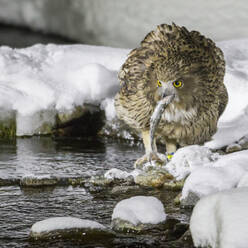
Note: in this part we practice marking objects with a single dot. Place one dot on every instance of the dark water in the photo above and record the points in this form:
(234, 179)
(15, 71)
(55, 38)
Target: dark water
(20, 208)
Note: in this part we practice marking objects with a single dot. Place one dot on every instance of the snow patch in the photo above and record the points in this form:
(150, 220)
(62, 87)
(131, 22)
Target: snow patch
(140, 209)
(115, 173)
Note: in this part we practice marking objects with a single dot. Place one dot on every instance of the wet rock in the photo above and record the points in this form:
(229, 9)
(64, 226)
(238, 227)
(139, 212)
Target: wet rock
(244, 142)
(82, 121)
(7, 125)
(31, 181)
(138, 214)
(153, 178)
(122, 189)
(177, 199)
(190, 200)
(68, 228)
(9, 182)
(233, 148)
(124, 226)
(174, 185)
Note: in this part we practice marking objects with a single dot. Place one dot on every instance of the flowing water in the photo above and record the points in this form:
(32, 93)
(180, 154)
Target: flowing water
(22, 207)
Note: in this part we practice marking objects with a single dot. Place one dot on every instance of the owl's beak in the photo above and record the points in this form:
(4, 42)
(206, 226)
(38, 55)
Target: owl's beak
(168, 92)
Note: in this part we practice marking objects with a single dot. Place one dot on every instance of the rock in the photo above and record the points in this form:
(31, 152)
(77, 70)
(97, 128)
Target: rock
(31, 181)
(7, 125)
(138, 214)
(177, 199)
(174, 185)
(80, 122)
(244, 142)
(233, 148)
(153, 178)
(9, 182)
(122, 189)
(190, 200)
(68, 228)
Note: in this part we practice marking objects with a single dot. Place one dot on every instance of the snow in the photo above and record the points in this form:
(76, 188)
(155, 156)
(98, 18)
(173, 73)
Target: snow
(60, 223)
(120, 174)
(208, 177)
(233, 123)
(39, 81)
(140, 209)
(189, 158)
(221, 220)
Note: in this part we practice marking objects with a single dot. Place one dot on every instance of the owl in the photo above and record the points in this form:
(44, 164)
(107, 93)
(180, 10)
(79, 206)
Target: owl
(173, 61)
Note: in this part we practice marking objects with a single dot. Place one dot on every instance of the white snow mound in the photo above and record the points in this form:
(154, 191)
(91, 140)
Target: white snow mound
(221, 220)
(60, 223)
(140, 209)
(225, 173)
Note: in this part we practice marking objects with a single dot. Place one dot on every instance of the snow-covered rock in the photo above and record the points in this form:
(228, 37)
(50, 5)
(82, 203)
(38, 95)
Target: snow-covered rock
(224, 173)
(138, 213)
(66, 227)
(221, 220)
(189, 158)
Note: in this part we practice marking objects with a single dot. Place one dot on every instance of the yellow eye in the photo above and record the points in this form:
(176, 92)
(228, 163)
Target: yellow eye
(159, 83)
(177, 84)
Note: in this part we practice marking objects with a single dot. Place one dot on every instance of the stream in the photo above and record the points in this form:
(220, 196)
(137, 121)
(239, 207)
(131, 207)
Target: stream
(21, 207)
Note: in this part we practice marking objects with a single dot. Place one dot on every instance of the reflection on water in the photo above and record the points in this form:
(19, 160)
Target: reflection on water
(43, 156)
(20, 208)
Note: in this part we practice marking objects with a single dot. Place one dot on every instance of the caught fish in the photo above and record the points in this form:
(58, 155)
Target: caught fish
(156, 117)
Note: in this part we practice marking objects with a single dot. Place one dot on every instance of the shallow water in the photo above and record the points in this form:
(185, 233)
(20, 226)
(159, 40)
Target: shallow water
(22, 207)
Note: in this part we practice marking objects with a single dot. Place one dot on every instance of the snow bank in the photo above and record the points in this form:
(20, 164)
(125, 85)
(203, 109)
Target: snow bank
(39, 81)
(140, 209)
(233, 123)
(60, 223)
(221, 220)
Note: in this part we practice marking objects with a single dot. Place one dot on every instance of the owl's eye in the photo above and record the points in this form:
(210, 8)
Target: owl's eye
(177, 84)
(159, 83)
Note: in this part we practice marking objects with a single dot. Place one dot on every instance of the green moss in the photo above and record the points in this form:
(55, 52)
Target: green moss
(8, 129)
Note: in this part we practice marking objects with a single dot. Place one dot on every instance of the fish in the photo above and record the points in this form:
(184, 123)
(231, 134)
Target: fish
(156, 117)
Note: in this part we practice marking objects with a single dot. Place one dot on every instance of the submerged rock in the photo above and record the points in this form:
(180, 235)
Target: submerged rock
(38, 181)
(68, 228)
(137, 214)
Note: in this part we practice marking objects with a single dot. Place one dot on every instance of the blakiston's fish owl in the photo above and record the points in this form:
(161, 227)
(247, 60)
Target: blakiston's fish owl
(172, 60)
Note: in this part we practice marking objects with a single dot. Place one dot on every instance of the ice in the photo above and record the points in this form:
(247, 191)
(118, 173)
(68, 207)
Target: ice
(221, 220)
(60, 223)
(140, 209)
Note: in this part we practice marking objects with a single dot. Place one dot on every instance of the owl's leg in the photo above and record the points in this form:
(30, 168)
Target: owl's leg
(151, 154)
(171, 147)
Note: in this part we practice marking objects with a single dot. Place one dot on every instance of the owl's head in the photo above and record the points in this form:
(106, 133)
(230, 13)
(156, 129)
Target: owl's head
(186, 84)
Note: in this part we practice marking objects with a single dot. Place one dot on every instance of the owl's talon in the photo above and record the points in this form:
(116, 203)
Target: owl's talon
(159, 159)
